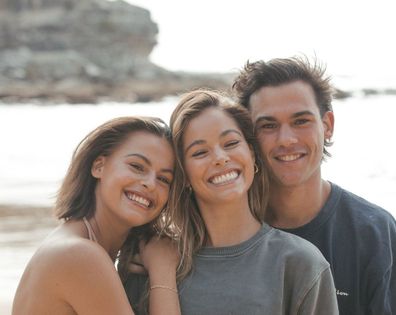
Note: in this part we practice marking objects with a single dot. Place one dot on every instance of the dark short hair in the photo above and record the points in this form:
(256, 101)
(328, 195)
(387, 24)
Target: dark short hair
(279, 71)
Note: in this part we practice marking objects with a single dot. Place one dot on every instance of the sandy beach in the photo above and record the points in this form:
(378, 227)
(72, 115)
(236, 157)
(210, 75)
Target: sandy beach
(22, 228)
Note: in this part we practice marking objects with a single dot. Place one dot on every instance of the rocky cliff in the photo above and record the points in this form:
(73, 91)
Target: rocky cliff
(84, 51)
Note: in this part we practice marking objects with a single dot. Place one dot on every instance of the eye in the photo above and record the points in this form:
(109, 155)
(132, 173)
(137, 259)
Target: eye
(137, 167)
(165, 180)
(266, 126)
(231, 144)
(301, 121)
(198, 153)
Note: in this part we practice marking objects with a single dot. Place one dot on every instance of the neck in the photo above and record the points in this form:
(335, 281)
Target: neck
(229, 224)
(292, 207)
(109, 234)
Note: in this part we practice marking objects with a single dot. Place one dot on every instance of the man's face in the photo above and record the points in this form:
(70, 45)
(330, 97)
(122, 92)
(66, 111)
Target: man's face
(291, 132)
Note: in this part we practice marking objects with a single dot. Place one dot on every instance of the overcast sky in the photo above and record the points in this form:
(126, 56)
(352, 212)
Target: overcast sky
(352, 37)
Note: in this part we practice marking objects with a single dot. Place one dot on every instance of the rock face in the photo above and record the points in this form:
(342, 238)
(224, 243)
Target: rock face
(83, 51)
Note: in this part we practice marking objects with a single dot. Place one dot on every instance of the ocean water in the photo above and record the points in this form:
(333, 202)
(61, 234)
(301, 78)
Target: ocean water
(37, 143)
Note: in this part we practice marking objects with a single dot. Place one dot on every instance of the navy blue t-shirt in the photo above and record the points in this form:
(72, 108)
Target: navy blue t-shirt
(358, 239)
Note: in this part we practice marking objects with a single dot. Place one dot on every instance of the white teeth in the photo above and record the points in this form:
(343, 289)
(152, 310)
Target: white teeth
(288, 158)
(138, 199)
(224, 178)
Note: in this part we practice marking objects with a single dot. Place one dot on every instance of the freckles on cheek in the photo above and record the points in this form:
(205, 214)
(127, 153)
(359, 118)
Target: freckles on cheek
(189, 170)
(263, 144)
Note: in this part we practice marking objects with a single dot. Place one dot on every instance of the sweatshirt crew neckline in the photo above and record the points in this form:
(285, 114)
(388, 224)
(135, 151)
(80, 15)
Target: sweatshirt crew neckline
(234, 250)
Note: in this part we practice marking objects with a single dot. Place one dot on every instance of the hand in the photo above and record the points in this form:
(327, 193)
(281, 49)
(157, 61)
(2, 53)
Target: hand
(136, 265)
(161, 258)
(159, 254)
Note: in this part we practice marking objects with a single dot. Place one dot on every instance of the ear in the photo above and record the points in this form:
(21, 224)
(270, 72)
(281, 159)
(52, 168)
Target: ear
(328, 124)
(97, 167)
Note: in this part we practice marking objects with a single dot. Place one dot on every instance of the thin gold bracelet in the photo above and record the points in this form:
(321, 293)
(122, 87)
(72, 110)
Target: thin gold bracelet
(158, 286)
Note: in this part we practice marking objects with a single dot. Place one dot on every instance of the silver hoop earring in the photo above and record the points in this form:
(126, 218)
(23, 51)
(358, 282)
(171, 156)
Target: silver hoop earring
(256, 169)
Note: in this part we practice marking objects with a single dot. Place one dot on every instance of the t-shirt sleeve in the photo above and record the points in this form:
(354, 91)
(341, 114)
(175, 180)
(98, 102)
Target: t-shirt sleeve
(321, 298)
(383, 294)
(384, 299)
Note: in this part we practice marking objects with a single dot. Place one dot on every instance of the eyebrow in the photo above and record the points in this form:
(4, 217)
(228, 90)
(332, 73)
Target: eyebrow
(148, 162)
(222, 134)
(295, 115)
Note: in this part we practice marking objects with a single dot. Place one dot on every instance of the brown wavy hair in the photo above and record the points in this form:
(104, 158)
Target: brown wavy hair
(182, 205)
(76, 196)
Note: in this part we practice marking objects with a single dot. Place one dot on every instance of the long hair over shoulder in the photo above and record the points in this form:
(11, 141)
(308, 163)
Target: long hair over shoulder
(183, 207)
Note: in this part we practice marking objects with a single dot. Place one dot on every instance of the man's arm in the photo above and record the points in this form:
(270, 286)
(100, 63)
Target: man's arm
(383, 294)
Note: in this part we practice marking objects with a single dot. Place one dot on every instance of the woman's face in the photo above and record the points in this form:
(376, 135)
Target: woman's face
(217, 159)
(134, 181)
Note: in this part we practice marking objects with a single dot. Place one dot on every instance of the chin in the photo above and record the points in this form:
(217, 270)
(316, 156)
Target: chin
(231, 196)
(137, 219)
(286, 181)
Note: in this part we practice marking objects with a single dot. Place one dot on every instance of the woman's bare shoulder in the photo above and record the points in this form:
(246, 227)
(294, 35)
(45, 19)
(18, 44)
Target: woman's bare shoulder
(70, 251)
(77, 271)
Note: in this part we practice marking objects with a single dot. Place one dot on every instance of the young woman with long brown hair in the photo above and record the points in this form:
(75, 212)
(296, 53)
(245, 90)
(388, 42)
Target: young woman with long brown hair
(116, 188)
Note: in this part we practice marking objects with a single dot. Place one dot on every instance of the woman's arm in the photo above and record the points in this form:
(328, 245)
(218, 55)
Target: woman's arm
(84, 277)
(160, 258)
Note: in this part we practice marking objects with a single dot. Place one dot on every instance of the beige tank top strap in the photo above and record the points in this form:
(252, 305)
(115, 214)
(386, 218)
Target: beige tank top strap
(91, 233)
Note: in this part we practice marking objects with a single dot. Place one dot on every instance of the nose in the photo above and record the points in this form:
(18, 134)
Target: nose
(148, 181)
(220, 156)
(286, 136)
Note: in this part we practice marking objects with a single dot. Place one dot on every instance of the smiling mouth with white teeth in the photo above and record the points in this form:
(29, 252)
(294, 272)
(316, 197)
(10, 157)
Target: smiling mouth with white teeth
(225, 178)
(289, 158)
(139, 199)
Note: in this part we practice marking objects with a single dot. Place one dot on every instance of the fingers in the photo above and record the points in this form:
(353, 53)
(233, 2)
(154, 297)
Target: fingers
(136, 265)
(137, 259)
(136, 268)
(158, 250)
